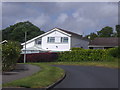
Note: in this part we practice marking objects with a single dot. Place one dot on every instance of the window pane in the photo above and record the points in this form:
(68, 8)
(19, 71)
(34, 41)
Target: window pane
(64, 39)
(51, 39)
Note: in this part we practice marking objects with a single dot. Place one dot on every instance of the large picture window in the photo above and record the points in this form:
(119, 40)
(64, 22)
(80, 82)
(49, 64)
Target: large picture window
(51, 39)
(64, 39)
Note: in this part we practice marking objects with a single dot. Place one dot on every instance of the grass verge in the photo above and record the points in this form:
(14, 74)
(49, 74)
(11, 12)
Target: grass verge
(45, 77)
(109, 64)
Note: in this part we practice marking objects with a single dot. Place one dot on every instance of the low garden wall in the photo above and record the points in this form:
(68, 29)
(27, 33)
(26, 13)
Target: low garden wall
(39, 57)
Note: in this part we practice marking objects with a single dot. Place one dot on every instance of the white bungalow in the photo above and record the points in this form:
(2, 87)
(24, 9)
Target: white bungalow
(55, 40)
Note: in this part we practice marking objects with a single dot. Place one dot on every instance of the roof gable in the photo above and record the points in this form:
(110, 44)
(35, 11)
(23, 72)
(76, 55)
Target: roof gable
(50, 31)
(68, 33)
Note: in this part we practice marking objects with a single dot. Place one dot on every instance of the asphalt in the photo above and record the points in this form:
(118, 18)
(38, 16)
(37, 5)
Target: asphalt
(21, 71)
(88, 77)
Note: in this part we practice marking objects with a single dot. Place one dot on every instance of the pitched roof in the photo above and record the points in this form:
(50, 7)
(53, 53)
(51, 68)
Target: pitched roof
(105, 41)
(64, 31)
(69, 32)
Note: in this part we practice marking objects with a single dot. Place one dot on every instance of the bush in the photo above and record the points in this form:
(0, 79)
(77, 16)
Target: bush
(85, 55)
(115, 52)
(10, 55)
(76, 48)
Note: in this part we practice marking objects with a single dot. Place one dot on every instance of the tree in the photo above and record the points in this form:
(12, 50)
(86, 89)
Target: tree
(118, 30)
(16, 32)
(105, 32)
(91, 36)
(10, 54)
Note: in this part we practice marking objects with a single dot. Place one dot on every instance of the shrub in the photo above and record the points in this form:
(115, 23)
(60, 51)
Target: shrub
(76, 48)
(115, 52)
(10, 55)
(85, 55)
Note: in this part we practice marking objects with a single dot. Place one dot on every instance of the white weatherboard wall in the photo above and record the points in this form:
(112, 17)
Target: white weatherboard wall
(30, 44)
(57, 46)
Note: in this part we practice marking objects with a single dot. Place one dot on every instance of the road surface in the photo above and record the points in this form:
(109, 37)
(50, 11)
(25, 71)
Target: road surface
(88, 77)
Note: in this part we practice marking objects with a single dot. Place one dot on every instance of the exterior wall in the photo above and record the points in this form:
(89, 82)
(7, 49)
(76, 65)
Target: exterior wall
(77, 42)
(57, 46)
(31, 44)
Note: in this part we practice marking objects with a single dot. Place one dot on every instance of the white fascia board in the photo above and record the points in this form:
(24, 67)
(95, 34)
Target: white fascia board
(62, 31)
(46, 34)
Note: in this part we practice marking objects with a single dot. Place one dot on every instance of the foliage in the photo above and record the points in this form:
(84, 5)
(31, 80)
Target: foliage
(85, 55)
(118, 30)
(76, 48)
(105, 32)
(10, 55)
(115, 52)
(16, 32)
(91, 36)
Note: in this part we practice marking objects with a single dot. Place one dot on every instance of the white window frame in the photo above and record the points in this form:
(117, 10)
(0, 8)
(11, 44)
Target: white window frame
(63, 39)
(51, 39)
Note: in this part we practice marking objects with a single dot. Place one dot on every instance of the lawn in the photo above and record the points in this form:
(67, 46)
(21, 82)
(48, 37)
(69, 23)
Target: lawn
(108, 64)
(47, 76)
(98, 64)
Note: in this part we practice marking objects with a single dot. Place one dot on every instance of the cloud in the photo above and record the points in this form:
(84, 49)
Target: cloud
(39, 21)
(78, 17)
(62, 18)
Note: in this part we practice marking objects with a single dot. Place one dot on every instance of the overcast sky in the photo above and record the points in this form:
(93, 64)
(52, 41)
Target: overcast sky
(78, 17)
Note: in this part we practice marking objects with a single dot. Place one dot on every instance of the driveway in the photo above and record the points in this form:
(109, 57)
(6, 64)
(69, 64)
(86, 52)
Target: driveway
(21, 71)
(88, 77)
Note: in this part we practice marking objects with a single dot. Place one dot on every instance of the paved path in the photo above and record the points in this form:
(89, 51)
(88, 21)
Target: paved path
(21, 71)
(88, 77)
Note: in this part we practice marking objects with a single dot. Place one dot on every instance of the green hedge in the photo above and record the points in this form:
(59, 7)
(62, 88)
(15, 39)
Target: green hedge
(85, 55)
(10, 55)
(76, 48)
(115, 52)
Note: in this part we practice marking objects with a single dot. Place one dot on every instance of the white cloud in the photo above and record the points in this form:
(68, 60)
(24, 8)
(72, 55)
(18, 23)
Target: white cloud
(62, 18)
(41, 20)
(38, 21)
(77, 17)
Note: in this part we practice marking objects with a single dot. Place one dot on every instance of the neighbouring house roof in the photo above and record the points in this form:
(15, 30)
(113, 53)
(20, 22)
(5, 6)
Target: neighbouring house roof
(58, 29)
(105, 41)
(5, 41)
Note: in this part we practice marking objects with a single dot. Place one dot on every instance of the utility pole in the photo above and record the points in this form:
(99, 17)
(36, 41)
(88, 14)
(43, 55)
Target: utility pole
(25, 48)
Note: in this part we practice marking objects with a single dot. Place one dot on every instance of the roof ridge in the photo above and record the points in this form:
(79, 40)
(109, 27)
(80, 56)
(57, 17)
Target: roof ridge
(69, 32)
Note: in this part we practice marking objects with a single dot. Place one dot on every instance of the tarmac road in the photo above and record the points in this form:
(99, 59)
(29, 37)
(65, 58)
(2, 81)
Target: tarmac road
(88, 77)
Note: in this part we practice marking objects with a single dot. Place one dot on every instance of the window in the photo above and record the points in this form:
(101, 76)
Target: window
(64, 39)
(38, 41)
(51, 39)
